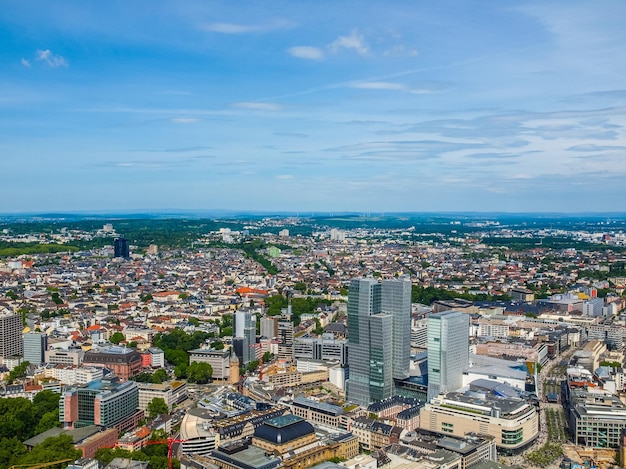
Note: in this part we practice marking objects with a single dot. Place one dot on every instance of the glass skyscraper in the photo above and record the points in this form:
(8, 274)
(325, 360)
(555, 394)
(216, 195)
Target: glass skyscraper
(379, 317)
(448, 351)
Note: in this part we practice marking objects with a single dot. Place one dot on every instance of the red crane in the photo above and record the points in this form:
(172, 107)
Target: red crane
(260, 355)
(170, 442)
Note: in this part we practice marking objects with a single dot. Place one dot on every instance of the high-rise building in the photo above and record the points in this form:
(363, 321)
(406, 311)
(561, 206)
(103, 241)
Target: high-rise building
(121, 248)
(245, 327)
(379, 337)
(448, 351)
(396, 300)
(35, 346)
(269, 327)
(11, 342)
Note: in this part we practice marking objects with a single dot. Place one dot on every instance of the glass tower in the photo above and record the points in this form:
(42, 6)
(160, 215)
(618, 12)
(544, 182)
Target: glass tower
(448, 351)
(379, 316)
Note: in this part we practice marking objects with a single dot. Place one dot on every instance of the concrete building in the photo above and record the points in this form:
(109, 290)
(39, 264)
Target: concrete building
(596, 417)
(218, 359)
(73, 356)
(325, 348)
(11, 342)
(269, 327)
(513, 422)
(448, 351)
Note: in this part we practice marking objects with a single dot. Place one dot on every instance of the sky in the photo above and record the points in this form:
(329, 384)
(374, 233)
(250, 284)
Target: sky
(313, 106)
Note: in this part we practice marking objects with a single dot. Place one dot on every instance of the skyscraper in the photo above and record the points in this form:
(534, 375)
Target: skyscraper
(396, 300)
(448, 351)
(379, 318)
(245, 327)
(35, 346)
(11, 343)
(121, 248)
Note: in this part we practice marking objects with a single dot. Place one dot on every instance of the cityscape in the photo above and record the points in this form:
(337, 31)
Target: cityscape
(313, 235)
(330, 342)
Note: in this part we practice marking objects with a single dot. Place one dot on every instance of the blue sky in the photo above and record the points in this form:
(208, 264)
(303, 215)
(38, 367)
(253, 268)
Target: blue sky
(313, 105)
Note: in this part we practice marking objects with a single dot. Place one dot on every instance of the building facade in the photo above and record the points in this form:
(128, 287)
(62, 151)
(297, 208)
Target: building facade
(448, 351)
(379, 326)
(35, 346)
(11, 344)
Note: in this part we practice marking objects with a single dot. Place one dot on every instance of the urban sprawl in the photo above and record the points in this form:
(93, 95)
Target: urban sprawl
(288, 342)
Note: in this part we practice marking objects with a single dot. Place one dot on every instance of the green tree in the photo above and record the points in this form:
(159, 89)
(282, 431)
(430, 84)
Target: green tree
(18, 372)
(300, 286)
(48, 421)
(116, 338)
(253, 365)
(159, 376)
(52, 449)
(11, 450)
(199, 373)
(217, 345)
(156, 407)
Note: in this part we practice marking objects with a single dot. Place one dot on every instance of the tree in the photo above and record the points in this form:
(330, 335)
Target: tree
(52, 449)
(133, 344)
(159, 376)
(253, 365)
(199, 372)
(300, 286)
(156, 407)
(48, 421)
(116, 338)
(18, 372)
(217, 345)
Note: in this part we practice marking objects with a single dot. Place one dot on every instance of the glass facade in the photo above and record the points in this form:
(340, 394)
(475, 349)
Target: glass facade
(448, 351)
(379, 335)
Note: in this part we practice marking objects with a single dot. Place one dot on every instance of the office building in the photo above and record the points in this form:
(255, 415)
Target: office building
(379, 336)
(121, 248)
(325, 348)
(245, 327)
(11, 342)
(396, 300)
(124, 362)
(285, 337)
(269, 327)
(106, 403)
(218, 359)
(448, 351)
(35, 346)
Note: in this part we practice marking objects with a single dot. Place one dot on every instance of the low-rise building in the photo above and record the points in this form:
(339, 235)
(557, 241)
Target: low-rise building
(512, 421)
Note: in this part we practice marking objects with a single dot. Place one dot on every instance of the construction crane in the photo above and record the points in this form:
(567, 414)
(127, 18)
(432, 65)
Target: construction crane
(170, 442)
(260, 355)
(37, 466)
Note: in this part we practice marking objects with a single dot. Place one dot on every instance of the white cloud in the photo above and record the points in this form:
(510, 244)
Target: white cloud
(25, 63)
(284, 176)
(354, 41)
(307, 52)
(234, 28)
(52, 60)
(379, 85)
(184, 120)
(393, 86)
(400, 51)
(258, 106)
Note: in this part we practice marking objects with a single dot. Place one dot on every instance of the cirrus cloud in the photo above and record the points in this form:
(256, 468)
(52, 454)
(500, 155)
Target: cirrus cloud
(258, 106)
(306, 52)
